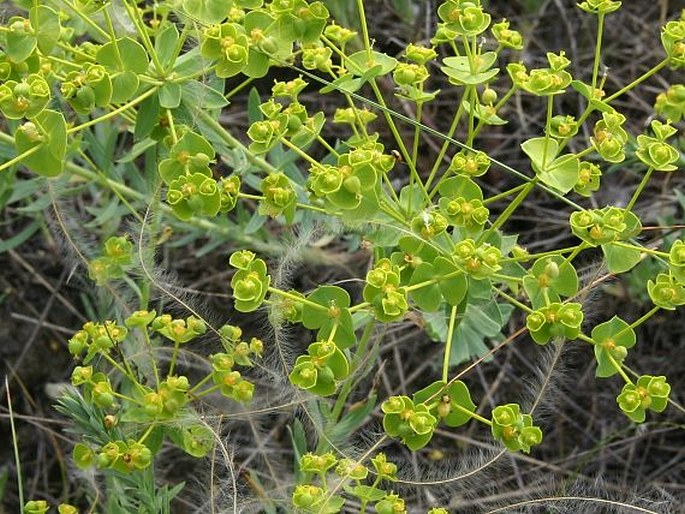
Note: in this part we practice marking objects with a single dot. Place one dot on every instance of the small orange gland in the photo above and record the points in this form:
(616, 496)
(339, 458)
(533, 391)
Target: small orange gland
(609, 344)
(544, 280)
(509, 432)
(227, 42)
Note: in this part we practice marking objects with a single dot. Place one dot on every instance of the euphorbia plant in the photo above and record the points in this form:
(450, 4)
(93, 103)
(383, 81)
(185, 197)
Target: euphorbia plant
(439, 251)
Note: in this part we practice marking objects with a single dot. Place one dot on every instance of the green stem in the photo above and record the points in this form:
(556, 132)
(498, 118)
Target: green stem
(231, 141)
(445, 145)
(639, 189)
(598, 50)
(200, 384)
(297, 299)
(638, 80)
(87, 20)
(575, 252)
(398, 138)
(365, 28)
(113, 36)
(134, 15)
(503, 194)
(299, 152)
(641, 319)
(347, 385)
(116, 365)
(20, 157)
(644, 249)
(513, 301)
(533, 256)
(15, 446)
(475, 416)
(359, 307)
(619, 368)
(210, 390)
(448, 343)
(508, 211)
(548, 124)
(146, 434)
(473, 92)
(174, 356)
(239, 87)
(115, 112)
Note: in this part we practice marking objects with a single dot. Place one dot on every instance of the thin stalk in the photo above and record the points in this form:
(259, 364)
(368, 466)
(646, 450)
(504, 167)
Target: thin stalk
(296, 298)
(513, 301)
(231, 141)
(509, 210)
(548, 123)
(445, 145)
(504, 194)
(640, 188)
(365, 28)
(475, 416)
(347, 386)
(239, 87)
(87, 20)
(15, 446)
(575, 252)
(115, 112)
(650, 251)
(134, 15)
(174, 356)
(448, 344)
(20, 157)
(398, 138)
(598, 50)
(641, 319)
(619, 368)
(200, 384)
(638, 80)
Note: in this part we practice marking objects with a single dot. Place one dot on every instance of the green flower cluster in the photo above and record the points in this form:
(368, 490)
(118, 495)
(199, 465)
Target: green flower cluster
(95, 339)
(515, 429)
(507, 37)
(312, 498)
(250, 283)
(666, 291)
(353, 183)
(42, 506)
(411, 422)
(24, 99)
(612, 340)
(318, 371)
(543, 81)
(88, 88)
(601, 7)
(279, 197)
(479, 261)
(192, 188)
(549, 279)
(606, 225)
(470, 163)
(671, 103)
(654, 152)
(383, 291)
(649, 393)
(117, 257)
(463, 18)
(609, 137)
(561, 320)
(589, 175)
(673, 41)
